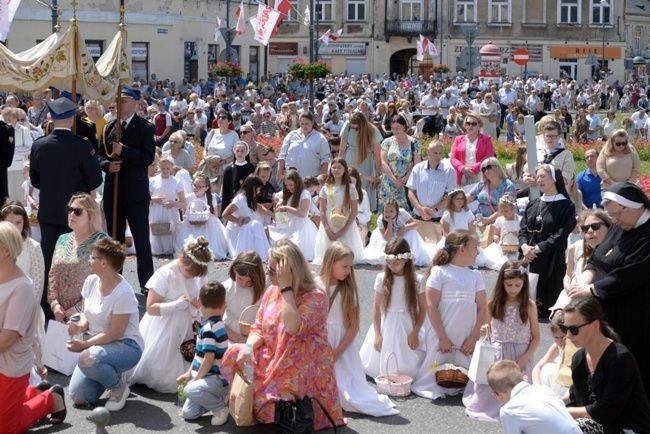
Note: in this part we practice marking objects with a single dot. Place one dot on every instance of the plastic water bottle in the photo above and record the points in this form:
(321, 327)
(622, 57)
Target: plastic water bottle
(180, 397)
(76, 318)
(248, 367)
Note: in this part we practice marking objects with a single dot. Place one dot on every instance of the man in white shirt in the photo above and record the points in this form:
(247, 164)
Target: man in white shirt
(507, 95)
(446, 101)
(528, 409)
(594, 123)
(532, 100)
(540, 83)
(640, 119)
(429, 107)
(334, 125)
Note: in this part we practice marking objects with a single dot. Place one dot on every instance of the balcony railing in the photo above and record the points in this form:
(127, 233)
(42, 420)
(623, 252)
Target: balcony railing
(410, 28)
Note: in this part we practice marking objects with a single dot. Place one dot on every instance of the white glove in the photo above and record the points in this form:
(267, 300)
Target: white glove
(173, 306)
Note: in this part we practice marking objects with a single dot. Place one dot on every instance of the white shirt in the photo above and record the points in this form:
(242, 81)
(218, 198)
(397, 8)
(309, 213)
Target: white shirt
(431, 104)
(430, 184)
(238, 298)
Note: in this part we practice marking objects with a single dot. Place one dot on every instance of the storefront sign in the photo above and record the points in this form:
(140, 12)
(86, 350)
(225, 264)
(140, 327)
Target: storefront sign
(582, 52)
(283, 48)
(353, 48)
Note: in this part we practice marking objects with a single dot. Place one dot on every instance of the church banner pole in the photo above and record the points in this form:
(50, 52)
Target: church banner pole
(118, 129)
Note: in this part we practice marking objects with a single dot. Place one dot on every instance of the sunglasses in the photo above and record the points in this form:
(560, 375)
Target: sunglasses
(574, 330)
(486, 168)
(246, 132)
(594, 227)
(75, 211)
(471, 124)
(111, 107)
(620, 143)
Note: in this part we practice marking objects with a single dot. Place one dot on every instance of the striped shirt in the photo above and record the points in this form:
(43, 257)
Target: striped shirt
(212, 338)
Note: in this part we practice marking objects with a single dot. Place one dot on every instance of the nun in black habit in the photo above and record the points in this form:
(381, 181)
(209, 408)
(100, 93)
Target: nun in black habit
(235, 174)
(544, 230)
(618, 272)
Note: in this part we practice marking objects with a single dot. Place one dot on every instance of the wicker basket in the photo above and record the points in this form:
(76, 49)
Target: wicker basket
(509, 249)
(449, 375)
(33, 220)
(197, 215)
(393, 384)
(338, 217)
(161, 228)
(245, 327)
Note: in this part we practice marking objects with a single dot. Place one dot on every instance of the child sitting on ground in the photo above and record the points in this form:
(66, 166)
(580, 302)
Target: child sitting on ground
(546, 370)
(206, 389)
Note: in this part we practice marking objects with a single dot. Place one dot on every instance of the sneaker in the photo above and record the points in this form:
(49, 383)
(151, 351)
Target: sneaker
(117, 397)
(220, 416)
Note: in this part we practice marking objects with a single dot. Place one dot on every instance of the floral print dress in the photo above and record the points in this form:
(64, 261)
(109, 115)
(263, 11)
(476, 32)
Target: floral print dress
(488, 200)
(399, 161)
(289, 367)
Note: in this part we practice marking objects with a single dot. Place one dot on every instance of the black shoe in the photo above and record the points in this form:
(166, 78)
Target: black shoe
(43, 386)
(59, 416)
(144, 291)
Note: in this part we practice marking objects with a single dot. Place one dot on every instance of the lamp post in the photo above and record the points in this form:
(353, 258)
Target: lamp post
(603, 3)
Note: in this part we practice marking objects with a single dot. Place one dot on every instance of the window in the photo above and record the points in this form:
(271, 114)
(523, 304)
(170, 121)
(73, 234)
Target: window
(569, 11)
(499, 12)
(534, 12)
(325, 10)
(356, 10)
(292, 15)
(466, 11)
(601, 12)
(411, 10)
(140, 59)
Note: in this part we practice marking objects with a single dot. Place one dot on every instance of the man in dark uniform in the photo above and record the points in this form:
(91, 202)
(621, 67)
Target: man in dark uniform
(7, 148)
(61, 164)
(130, 159)
(84, 127)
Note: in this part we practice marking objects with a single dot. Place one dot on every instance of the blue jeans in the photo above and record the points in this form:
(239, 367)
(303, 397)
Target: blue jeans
(206, 394)
(102, 369)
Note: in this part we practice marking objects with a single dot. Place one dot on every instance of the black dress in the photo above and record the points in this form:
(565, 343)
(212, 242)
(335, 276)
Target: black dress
(548, 225)
(621, 267)
(233, 178)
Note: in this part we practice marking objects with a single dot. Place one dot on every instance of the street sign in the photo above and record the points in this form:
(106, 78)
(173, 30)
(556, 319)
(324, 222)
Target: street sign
(470, 58)
(591, 60)
(229, 54)
(470, 33)
(521, 57)
(228, 35)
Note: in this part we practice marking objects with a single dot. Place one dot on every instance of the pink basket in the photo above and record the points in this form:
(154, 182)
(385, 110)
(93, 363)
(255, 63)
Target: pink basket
(393, 384)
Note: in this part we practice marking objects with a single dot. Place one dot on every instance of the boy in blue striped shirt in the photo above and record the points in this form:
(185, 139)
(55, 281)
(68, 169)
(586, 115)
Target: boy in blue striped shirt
(206, 389)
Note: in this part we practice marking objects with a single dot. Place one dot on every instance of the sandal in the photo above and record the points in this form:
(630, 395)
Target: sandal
(59, 416)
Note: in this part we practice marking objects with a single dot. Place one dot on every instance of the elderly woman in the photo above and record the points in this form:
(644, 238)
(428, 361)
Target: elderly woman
(490, 190)
(176, 153)
(95, 112)
(305, 148)
(544, 230)
(607, 394)
(221, 147)
(292, 356)
(22, 405)
(470, 150)
(191, 126)
(361, 148)
(618, 160)
(399, 154)
(71, 259)
(111, 342)
(37, 113)
(616, 272)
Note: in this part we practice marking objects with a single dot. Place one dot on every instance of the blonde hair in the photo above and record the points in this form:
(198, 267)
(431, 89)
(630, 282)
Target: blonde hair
(302, 277)
(11, 239)
(347, 288)
(87, 202)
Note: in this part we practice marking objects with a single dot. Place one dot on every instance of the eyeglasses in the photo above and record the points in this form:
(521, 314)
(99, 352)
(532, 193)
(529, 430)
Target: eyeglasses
(620, 143)
(551, 136)
(76, 211)
(574, 330)
(616, 214)
(198, 187)
(486, 168)
(471, 124)
(271, 271)
(594, 227)
(221, 118)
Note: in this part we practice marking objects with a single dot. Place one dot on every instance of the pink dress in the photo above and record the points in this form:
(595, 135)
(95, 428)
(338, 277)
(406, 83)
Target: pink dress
(290, 367)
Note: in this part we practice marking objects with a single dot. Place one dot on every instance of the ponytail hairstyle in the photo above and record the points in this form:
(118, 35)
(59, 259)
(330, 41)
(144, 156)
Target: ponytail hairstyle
(208, 194)
(397, 246)
(520, 161)
(249, 264)
(497, 304)
(347, 288)
(591, 311)
(298, 187)
(393, 203)
(453, 242)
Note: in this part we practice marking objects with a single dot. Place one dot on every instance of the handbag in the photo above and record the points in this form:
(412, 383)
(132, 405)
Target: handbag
(482, 359)
(241, 401)
(188, 347)
(55, 352)
(297, 417)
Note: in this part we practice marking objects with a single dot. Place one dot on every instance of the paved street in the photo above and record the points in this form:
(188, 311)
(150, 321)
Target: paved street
(148, 411)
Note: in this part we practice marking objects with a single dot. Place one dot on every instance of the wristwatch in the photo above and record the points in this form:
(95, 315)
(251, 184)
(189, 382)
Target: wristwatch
(285, 289)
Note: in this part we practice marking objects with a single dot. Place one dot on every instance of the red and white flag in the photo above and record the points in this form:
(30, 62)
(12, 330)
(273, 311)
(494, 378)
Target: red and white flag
(424, 45)
(217, 29)
(329, 36)
(241, 24)
(264, 23)
(282, 6)
(420, 49)
(7, 12)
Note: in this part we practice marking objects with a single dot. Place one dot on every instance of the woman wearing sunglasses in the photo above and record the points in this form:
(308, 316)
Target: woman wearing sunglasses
(607, 395)
(618, 161)
(488, 192)
(470, 150)
(220, 145)
(71, 260)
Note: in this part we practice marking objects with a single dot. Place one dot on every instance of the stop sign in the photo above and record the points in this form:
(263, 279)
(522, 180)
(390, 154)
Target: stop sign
(521, 57)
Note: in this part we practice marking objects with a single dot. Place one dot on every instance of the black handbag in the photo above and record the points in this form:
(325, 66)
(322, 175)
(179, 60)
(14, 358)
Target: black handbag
(297, 417)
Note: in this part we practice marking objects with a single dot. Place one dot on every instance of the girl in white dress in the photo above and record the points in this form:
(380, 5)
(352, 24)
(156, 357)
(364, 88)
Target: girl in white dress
(244, 230)
(457, 214)
(364, 214)
(244, 288)
(506, 239)
(395, 222)
(339, 204)
(398, 314)
(213, 230)
(336, 278)
(456, 307)
(546, 370)
(172, 305)
(292, 215)
(167, 196)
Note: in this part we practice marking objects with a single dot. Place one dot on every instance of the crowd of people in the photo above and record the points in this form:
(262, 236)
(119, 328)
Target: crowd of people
(260, 176)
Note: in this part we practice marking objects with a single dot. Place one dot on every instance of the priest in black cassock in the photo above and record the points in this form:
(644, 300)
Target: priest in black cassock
(618, 272)
(235, 174)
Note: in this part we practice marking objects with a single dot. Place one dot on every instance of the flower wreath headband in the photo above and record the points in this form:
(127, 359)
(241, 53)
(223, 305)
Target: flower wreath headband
(187, 250)
(407, 255)
(507, 199)
(454, 191)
